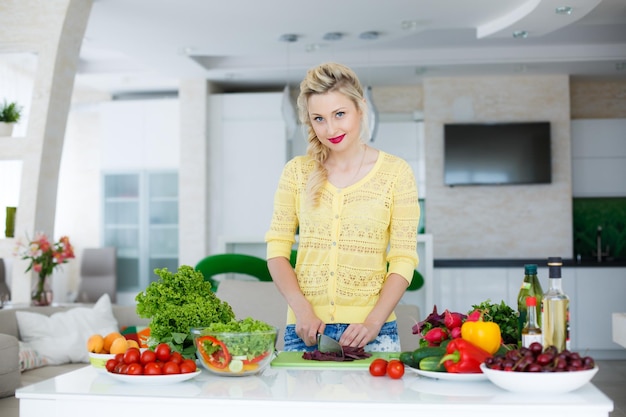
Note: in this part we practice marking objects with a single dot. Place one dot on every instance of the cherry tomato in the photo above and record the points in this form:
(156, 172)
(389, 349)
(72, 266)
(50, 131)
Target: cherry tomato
(171, 368)
(395, 369)
(132, 355)
(110, 365)
(188, 366)
(147, 356)
(176, 357)
(163, 352)
(119, 358)
(120, 368)
(378, 367)
(135, 368)
(152, 368)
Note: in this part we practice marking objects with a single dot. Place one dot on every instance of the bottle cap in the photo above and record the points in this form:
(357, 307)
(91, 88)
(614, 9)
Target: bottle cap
(530, 269)
(531, 301)
(554, 266)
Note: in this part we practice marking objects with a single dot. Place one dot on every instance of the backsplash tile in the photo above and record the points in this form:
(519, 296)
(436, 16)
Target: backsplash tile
(608, 213)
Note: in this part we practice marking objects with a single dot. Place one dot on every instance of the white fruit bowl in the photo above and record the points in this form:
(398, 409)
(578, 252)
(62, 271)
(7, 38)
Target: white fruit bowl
(99, 360)
(539, 382)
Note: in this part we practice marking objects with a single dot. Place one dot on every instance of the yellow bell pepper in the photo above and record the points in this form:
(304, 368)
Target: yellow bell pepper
(484, 334)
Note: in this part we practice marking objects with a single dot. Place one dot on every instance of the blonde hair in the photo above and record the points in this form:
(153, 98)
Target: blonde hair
(328, 77)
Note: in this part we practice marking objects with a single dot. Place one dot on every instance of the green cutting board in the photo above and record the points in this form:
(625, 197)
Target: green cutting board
(295, 360)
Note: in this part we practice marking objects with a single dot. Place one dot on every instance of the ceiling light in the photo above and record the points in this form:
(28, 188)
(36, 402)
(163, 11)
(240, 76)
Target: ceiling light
(520, 34)
(288, 37)
(413, 24)
(332, 36)
(369, 35)
(312, 47)
(564, 10)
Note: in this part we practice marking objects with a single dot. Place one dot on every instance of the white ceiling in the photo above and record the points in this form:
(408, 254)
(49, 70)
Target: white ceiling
(149, 45)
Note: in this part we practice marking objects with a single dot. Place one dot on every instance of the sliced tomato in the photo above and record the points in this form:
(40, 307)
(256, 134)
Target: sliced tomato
(256, 359)
(214, 352)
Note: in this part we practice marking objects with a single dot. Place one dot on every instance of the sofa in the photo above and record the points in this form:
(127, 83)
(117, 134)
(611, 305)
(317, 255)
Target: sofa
(14, 354)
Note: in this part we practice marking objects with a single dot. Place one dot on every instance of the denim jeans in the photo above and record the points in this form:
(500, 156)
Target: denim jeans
(386, 341)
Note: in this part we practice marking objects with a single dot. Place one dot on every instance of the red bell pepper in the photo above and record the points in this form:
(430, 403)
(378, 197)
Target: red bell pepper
(463, 357)
(213, 351)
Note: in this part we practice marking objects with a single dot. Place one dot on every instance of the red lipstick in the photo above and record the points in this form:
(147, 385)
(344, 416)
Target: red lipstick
(337, 139)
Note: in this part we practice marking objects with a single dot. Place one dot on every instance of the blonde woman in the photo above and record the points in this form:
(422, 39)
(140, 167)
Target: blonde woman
(356, 212)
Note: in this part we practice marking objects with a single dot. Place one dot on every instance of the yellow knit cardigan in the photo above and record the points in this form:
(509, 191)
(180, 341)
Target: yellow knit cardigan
(346, 243)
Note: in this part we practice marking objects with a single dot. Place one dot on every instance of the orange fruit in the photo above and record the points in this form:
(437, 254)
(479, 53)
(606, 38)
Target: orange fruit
(119, 345)
(108, 341)
(95, 343)
(132, 343)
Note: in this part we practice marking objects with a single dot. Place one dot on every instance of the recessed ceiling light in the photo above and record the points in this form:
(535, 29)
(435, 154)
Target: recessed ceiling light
(369, 35)
(333, 36)
(312, 47)
(565, 10)
(288, 37)
(520, 34)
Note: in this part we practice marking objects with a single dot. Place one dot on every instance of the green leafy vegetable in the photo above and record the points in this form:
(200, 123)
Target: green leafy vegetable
(176, 303)
(504, 316)
(255, 339)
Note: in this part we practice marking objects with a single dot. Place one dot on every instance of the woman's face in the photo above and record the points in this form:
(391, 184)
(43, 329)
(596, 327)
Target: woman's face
(335, 119)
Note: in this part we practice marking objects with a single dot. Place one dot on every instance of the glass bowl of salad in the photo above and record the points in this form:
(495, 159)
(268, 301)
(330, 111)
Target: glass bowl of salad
(238, 348)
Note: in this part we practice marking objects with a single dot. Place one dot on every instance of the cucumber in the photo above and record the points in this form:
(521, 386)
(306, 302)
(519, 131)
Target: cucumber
(432, 363)
(407, 359)
(424, 352)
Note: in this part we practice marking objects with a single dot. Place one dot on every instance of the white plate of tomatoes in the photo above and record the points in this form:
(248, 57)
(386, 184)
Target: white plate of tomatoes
(151, 367)
(154, 379)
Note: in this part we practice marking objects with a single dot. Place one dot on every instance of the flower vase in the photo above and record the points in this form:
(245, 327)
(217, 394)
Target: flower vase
(42, 292)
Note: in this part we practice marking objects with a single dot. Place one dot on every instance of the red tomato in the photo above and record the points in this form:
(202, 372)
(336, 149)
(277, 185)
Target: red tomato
(378, 367)
(110, 365)
(188, 366)
(135, 368)
(152, 368)
(132, 355)
(120, 368)
(176, 357)
(171, 368)
(147, 356)
(119, 358)
(395, 369)
(163, 352)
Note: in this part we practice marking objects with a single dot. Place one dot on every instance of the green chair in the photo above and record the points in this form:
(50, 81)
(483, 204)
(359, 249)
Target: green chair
(224, 263)
(416, 283)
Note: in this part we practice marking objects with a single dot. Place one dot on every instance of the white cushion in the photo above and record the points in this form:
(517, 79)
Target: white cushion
(62, 337)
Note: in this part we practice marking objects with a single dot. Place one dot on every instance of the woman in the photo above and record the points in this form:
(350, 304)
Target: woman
(356, 211)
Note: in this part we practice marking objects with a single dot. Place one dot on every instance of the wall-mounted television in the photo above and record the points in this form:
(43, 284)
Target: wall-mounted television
(497, 153)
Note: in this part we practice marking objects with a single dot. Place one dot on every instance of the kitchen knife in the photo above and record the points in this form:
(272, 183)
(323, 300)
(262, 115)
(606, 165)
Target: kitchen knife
(327, 344)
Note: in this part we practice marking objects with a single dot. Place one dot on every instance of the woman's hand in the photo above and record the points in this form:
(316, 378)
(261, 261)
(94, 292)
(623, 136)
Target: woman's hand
(308, 326)
(359, 334)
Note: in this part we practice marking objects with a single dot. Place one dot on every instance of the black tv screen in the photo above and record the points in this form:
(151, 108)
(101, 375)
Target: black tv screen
(497, 153)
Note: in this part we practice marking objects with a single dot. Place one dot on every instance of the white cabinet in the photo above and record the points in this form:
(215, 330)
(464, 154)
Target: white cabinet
(141, 221)
(248, 153)
(595, 293)
(599, 293)
(599, 158)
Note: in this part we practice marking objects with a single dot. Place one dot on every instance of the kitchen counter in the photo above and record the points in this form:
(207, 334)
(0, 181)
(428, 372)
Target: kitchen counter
(499, 263)
(298, 392)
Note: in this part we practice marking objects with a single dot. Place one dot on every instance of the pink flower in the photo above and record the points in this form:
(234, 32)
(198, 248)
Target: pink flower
(45, 256)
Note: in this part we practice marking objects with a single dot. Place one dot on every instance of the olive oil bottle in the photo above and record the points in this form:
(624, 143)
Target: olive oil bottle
(531, 287)
(555, 309)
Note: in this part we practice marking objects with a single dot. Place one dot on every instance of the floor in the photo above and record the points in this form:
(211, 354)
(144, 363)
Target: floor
(611, 379)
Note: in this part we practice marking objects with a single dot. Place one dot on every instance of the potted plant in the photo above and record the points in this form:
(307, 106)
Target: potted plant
(10, 113)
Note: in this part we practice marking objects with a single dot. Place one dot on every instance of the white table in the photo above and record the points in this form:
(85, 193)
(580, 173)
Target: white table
(301, 393)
